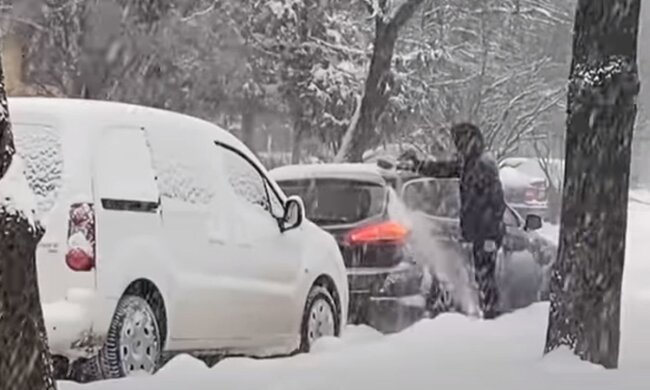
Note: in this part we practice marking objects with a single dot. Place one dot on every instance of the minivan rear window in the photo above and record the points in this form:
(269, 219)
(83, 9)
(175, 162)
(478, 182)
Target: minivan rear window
(40, 148)
(336, 201)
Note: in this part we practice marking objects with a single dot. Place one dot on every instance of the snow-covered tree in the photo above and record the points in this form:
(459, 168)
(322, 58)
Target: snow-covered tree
(493, 63)
(389, 17)
(603, 87)
(25, 362)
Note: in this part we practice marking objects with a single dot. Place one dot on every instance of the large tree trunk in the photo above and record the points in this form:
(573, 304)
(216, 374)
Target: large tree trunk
(248, 125)
(25, 361)
(376, 93)
(587, 278)
(300, 128)
(378, 84)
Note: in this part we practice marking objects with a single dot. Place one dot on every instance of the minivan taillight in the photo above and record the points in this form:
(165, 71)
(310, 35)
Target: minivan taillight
(382, 233)
(81, 238)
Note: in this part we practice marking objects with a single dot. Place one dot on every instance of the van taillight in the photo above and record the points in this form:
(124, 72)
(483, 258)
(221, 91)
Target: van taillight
(530, 195)
(535, 194)
(81, 238)
(382, 233)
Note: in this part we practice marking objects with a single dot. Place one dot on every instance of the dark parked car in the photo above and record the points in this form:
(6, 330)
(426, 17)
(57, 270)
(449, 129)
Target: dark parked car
(351, 201)
(389, 280)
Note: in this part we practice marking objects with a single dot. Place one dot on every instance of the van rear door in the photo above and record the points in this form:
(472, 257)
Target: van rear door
(40, 143)
(127, 207)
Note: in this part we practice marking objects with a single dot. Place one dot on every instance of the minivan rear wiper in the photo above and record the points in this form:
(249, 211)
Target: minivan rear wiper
(325, 220)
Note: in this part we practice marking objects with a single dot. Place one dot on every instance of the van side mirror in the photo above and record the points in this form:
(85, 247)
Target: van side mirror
(533, 222)
(294, 213)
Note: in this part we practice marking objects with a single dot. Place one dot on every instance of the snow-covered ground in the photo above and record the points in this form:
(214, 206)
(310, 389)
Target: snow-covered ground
(446, 353)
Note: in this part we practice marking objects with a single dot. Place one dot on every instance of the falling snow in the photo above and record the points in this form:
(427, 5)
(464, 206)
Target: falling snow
(349, 86)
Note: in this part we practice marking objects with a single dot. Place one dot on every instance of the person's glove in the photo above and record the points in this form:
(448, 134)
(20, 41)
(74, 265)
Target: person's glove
(408, 161)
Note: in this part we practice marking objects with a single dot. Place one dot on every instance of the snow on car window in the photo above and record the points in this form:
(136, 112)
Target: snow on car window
(40, 149)
(334, 201)
(245, 180)
(183, 165)
(120, 178)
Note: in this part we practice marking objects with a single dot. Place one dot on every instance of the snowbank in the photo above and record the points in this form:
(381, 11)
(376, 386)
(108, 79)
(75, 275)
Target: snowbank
(640, 196)
(550, 232)
(450, 352)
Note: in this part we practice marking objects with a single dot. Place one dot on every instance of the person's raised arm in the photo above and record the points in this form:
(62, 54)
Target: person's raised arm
(440, 169)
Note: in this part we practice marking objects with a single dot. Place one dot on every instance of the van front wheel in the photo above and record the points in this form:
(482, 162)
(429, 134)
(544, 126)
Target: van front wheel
(320, 318)
(133, 344)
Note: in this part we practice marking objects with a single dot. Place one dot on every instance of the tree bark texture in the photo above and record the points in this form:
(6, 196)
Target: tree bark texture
(587, 277)
(248, 116)
(300, 129)
(25, 362)
(379, 83)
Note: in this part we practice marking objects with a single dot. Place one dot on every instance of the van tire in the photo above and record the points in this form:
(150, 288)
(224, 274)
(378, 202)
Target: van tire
(318, 295)
(110, 356)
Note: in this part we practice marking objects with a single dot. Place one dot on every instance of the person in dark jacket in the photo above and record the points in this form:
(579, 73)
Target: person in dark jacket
(482, 204)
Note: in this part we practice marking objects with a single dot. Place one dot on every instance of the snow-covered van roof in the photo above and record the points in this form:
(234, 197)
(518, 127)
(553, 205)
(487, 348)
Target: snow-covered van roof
(59, 139)
(105, 113)
(345, 171)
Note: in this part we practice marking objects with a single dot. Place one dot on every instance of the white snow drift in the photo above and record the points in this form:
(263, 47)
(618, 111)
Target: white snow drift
(451, 352)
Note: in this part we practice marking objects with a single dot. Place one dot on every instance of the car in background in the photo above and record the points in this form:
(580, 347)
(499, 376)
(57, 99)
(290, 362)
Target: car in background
(166, 235)
(351, 201)
(525, 193)
(531, 188)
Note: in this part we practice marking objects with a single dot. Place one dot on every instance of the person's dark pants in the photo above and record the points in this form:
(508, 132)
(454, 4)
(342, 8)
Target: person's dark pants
(485, 264)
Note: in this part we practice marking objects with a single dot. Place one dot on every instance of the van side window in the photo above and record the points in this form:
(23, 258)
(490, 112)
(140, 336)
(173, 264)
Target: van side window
(40, 148)
(245, 180)
(184, 165)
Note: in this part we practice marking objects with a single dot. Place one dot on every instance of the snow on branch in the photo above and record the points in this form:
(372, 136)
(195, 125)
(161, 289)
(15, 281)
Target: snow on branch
(604, 83)
(403, 11)
(392, 12)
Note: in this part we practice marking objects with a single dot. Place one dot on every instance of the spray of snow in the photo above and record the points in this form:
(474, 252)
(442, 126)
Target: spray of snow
(444, 261)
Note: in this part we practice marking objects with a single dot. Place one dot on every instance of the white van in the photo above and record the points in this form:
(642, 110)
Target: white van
(164, 234)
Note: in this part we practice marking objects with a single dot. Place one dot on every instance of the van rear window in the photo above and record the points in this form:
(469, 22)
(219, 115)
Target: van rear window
(40, 148)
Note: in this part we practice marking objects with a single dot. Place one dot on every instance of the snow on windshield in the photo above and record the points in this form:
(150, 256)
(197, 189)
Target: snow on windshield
(332, 201)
